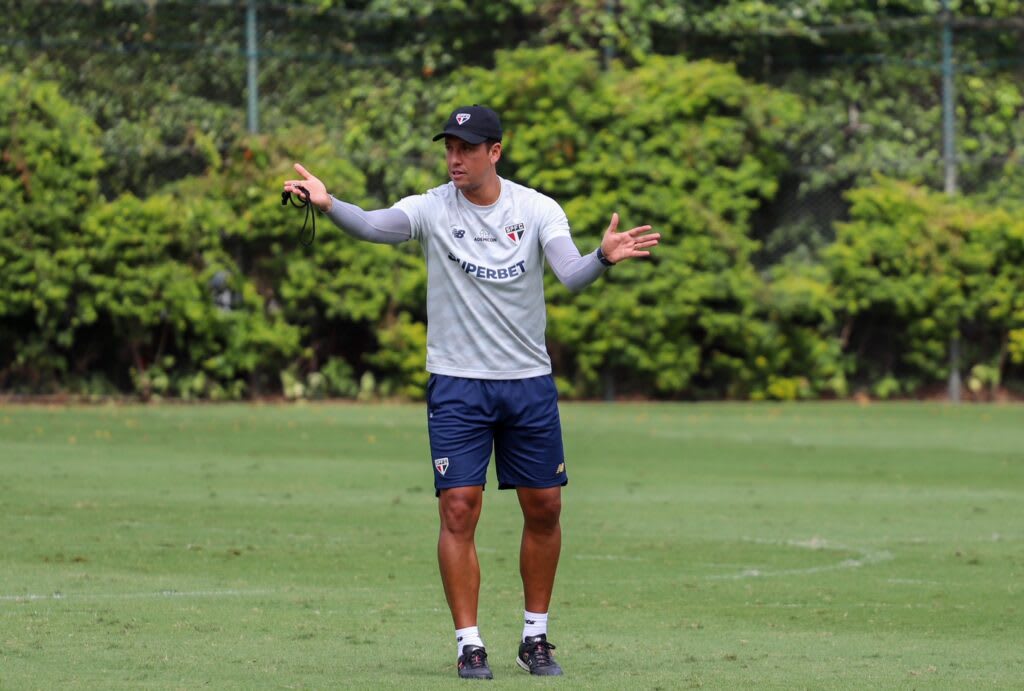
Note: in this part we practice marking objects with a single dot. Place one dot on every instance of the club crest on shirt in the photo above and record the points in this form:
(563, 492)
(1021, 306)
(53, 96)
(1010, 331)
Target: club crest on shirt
(515, 232)
(441, 464)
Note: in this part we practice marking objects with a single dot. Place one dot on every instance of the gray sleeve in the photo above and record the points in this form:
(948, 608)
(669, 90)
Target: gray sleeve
(386, 226)
(575, 271)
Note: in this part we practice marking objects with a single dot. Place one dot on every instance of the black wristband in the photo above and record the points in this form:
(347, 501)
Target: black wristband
(603, 259)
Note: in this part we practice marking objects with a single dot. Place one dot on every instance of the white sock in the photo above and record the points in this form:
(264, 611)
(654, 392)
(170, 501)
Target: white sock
(534, 623)
(468, 636)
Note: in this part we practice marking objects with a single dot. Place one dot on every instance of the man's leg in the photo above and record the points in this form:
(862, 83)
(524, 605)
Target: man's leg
(538, 561)
(541, 545)
(459, 508)
(456, 551)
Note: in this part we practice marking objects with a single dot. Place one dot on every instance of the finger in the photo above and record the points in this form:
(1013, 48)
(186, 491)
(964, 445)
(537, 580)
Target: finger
(614, 223)
(638, 230)
(302, 171)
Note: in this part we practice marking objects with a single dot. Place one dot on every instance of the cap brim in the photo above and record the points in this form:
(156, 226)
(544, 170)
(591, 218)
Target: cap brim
(463, 135)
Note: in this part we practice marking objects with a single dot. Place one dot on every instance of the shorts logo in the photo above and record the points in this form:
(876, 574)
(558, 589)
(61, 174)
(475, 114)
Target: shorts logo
(441, 464)
(561, 468)
(459, 233)
(461, 118)
(515, 232)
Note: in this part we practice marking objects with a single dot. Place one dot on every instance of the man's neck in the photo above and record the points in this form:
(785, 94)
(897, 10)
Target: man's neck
(486, 194)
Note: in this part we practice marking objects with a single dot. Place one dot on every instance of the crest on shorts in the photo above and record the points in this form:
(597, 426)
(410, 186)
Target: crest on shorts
(461, 118)
(441, 464)
(515, 232)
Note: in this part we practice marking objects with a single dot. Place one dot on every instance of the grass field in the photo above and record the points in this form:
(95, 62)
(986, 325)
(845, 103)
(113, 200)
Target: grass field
(716, 546)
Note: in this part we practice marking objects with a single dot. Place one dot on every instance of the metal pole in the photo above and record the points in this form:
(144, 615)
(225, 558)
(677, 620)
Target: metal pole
(949, 158)
(609, 39)
(251, 54)
(948, 105)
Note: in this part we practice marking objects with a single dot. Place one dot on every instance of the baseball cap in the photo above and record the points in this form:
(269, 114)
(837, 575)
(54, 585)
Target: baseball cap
(473, 124)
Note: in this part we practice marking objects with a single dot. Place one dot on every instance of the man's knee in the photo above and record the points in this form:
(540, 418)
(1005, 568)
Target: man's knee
(460, 510)
(541, 510)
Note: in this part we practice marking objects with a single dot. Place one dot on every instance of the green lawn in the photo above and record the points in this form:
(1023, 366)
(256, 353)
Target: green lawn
(716, 546)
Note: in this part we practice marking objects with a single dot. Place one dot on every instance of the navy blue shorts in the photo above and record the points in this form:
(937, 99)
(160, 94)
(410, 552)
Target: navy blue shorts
(517, 418)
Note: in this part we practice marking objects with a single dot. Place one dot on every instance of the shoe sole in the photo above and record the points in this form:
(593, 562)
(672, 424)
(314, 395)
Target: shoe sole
(526, 668)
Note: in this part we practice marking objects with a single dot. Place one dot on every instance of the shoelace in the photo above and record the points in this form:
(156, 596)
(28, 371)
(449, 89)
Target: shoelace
(542, 652)
(476, 659)
(304, 198)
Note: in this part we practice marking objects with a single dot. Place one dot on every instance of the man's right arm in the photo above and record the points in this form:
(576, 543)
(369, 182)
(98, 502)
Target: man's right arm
(387, 226)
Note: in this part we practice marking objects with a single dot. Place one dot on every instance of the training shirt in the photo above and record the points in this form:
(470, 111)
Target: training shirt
(485, 291)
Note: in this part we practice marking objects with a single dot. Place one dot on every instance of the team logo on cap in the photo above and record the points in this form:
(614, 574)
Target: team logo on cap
(461, 118)
(441, 464)
(515, 232)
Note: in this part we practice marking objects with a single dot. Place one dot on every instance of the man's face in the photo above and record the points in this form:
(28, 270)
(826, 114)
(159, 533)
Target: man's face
(470, 165)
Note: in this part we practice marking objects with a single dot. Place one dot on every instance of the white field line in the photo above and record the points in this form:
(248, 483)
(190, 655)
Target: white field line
(864, 558)
(606, 557)
(157, 594)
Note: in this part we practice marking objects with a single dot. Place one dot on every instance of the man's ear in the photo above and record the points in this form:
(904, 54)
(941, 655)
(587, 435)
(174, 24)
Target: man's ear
(495, 152)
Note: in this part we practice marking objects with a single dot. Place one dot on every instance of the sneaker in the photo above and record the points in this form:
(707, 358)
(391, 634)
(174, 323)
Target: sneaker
(473, 663)
(535, 656)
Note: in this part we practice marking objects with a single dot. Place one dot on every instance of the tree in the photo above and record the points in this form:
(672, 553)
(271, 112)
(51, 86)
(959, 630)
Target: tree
(49, 173)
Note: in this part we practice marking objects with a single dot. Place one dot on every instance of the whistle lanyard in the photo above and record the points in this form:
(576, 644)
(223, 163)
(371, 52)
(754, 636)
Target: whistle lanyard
(303, 202)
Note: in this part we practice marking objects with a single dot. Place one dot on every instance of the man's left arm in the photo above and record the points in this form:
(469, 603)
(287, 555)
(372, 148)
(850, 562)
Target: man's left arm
(577, 271)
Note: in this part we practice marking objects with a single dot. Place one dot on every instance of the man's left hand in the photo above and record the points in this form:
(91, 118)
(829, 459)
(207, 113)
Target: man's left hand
(635, 242)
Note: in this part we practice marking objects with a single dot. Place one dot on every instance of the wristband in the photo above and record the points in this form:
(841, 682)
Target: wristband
(603, 259)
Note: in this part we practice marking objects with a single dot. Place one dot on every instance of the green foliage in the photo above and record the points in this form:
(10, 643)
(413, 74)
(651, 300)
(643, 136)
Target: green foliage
(49, 173)
(143, 246)
(913, 270)
(151, 287)
(339, 295)
(898, 284)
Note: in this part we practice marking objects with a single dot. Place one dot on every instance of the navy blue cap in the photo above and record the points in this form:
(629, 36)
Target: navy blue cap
(473, 124)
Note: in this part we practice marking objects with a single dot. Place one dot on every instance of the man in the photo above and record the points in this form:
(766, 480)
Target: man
(490, 385)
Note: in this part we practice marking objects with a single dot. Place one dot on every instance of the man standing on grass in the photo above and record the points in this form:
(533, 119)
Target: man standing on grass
(490, 383)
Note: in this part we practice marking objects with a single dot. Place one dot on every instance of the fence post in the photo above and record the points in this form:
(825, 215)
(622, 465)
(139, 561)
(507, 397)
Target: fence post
(609, 41)
(949, 158)
(252, 54)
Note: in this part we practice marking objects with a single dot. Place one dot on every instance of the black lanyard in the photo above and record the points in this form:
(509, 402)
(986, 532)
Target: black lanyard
(304, 199)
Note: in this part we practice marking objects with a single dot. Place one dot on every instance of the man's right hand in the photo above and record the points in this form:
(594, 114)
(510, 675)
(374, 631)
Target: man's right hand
(317, 191)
